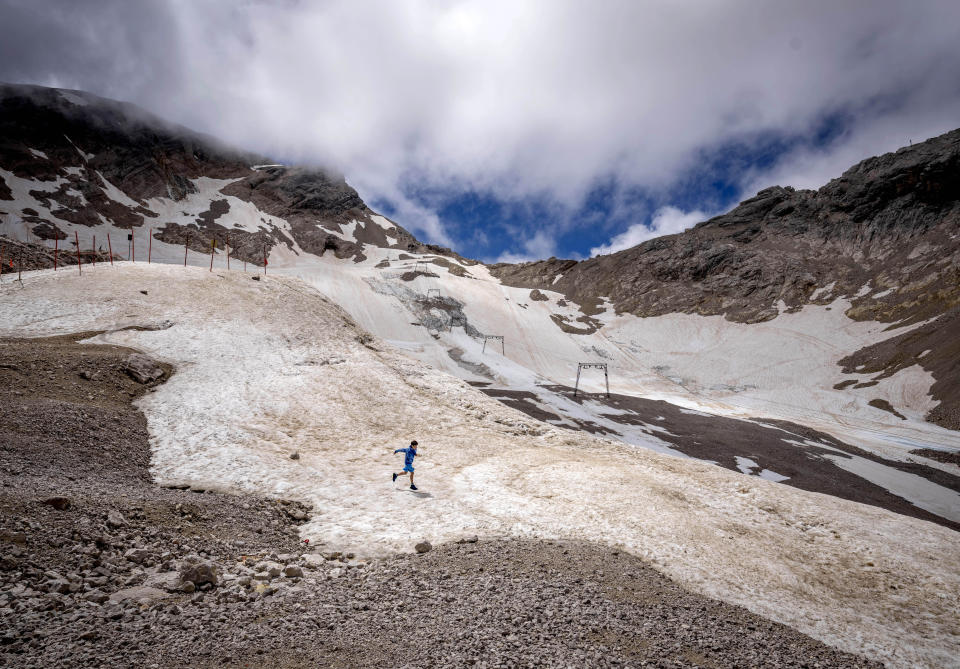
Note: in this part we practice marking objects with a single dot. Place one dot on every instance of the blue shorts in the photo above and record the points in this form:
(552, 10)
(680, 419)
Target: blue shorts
(408, 468)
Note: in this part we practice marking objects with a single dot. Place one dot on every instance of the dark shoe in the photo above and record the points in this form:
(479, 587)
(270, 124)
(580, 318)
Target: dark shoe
(394, 476)
(413, 487)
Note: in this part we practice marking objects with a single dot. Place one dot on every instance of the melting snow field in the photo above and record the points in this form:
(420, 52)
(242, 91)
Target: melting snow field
(267, 368)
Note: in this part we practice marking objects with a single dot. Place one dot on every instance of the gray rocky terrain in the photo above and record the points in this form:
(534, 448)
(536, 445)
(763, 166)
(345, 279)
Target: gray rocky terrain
(101, 567)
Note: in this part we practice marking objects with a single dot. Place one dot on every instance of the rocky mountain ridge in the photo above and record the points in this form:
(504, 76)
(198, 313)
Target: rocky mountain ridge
(101, 161)
(884, 234)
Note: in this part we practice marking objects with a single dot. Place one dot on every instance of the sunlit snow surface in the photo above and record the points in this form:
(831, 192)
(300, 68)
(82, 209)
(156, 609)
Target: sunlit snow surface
(265, 368)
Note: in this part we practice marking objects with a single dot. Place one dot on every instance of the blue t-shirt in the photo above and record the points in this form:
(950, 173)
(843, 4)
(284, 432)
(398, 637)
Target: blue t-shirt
(408, 458)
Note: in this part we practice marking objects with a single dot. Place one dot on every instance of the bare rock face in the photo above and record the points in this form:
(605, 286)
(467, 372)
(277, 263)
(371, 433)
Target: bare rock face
(143, 369)
(889, 222)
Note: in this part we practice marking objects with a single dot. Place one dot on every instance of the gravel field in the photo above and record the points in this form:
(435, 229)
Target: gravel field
(101, 567)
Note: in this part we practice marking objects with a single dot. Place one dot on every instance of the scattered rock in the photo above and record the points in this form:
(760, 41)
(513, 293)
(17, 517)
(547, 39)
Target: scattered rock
(423, 547)
(292, 571)
(294, 456)
(255, 277)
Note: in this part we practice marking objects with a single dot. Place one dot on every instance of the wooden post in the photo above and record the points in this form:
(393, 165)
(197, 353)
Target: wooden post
(184, 253)
(213, 249)
(150, 246)
(133, 245)
(56, 252)
(94, 250)
(77, 239)
(2, 249)
(228, 255)
(110, 246)
(264, 260)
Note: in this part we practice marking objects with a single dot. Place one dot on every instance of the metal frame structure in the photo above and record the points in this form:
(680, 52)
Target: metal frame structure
(416, 267)
(503, 351)
(591, 365)
(458, 321)
(431, 292)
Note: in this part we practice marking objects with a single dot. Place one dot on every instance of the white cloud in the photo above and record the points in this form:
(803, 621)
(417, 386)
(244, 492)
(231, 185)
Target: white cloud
(540, 245)
(520, 99)
(665, 221)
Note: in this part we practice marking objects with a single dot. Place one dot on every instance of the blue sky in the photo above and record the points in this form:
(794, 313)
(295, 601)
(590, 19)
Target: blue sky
(485, 226)
(521, 130)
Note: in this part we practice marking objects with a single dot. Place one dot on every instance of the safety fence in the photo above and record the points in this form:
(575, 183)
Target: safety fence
(22, 249)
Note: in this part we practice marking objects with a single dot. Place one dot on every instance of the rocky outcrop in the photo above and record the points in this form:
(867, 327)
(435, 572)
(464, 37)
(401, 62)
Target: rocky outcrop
(883, 234)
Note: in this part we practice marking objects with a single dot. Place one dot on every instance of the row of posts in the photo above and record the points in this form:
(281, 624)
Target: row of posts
(131, 250)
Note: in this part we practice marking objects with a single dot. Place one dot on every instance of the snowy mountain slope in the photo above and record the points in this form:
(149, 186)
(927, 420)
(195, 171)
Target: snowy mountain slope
(94, 167)
(268, 367)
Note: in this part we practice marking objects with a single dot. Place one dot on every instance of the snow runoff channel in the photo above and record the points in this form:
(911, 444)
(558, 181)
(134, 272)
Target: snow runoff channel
(265, 368)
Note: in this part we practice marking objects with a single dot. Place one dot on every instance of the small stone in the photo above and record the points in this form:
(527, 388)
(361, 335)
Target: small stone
(292, 571)
(423, 547)
(199, 573)
(142, 368)
(58, 585)
(137, 594)
(294, 456)
(312, 560)
(96, 596)
(169, 581)
(138, 555)
(255, 278)
(115, 519)
(58, 503)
